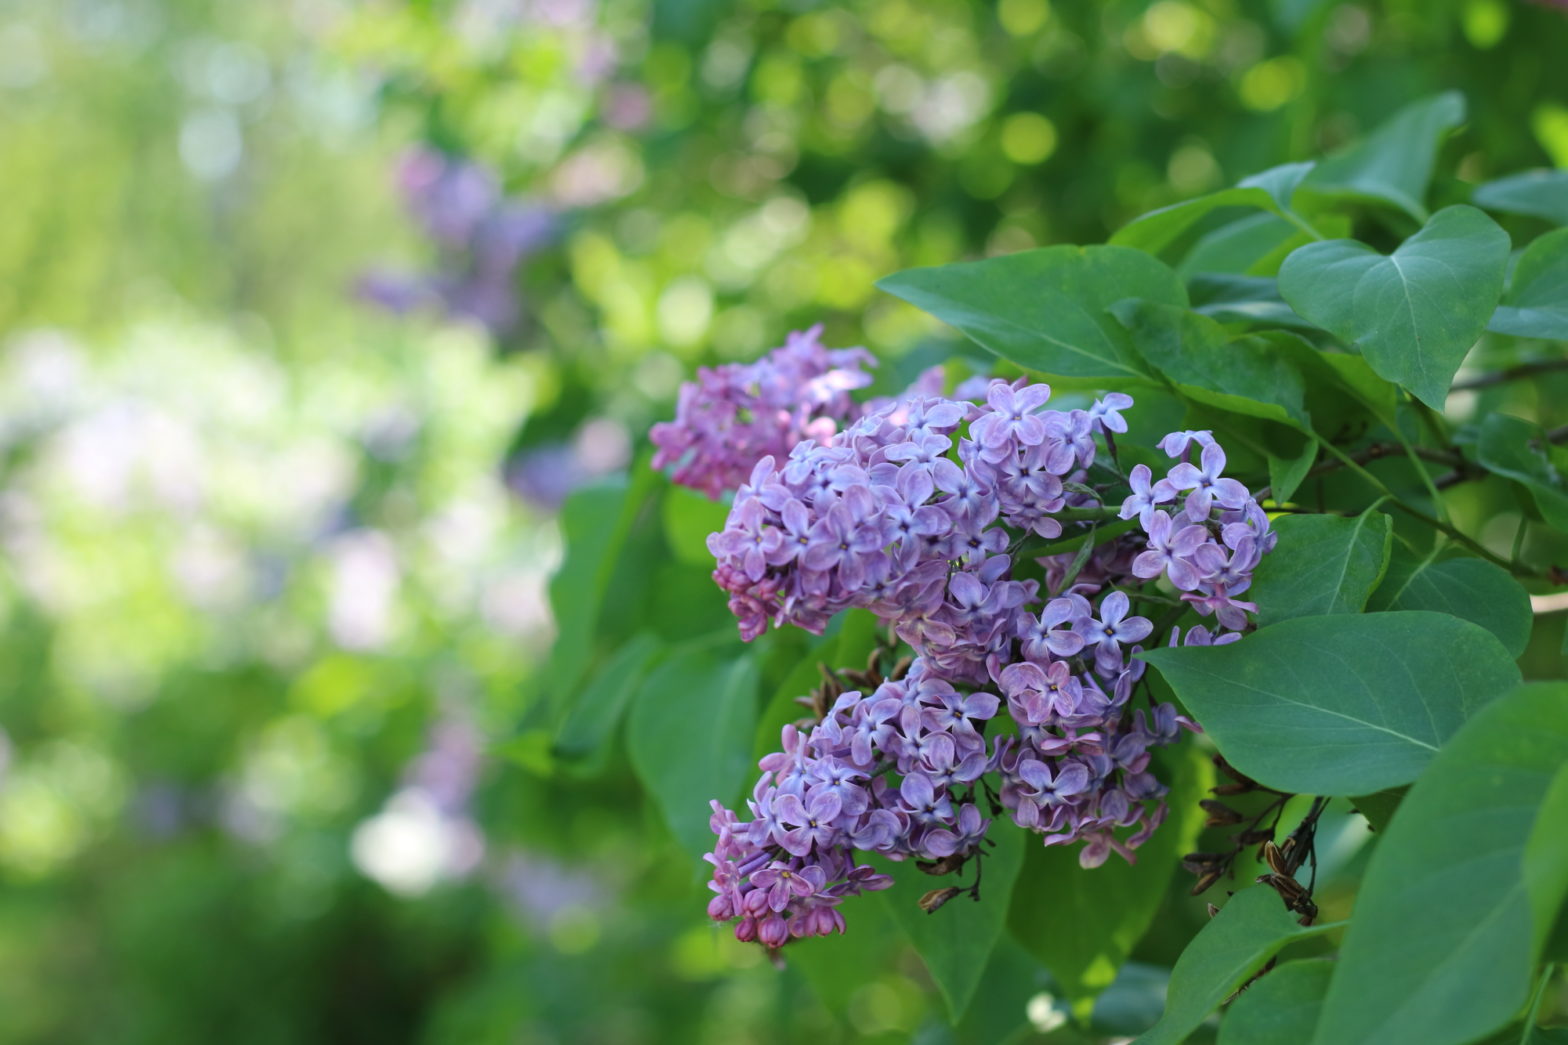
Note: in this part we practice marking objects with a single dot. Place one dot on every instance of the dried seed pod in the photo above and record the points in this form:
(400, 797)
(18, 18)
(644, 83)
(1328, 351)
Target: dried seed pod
(947, 865)
(1212, 910)
(1207, 880)
(1275, 858)
(931, 901)
(1220, 814)
(1254, 835)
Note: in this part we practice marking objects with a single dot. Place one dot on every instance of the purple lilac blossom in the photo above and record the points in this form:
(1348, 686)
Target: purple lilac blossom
(738, 414)
(916, 511)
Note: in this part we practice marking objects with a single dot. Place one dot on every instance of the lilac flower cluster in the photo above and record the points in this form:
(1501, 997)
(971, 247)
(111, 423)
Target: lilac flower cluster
(783, 873)
(739, 413)
(483, 236)
(917, 512)
(1209, 544)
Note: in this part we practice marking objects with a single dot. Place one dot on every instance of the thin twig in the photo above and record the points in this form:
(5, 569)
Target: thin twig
(1513, 373)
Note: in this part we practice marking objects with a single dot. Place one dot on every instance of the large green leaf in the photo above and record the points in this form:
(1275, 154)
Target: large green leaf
(1473, 589)
(1231, 298)
(1341, 705)
(1414, 313)
(1082, 923)
(1045, 309)
(1393, 164)
(1536, 304)
(1249, 930)
(1281, 1008)
(585, 734)
(1540, 194)
(1449, 919)
(957, 939)
(689, 735)
(689, 518)
(1244, 375)
(1517, 449)
(595, 522)
(1322, 564)
(1269, 191)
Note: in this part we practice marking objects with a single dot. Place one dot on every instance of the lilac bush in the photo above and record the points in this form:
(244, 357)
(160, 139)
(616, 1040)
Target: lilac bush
(1020, 697)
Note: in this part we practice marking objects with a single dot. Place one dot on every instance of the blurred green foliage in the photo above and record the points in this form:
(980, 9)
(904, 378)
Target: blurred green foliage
(270, 768)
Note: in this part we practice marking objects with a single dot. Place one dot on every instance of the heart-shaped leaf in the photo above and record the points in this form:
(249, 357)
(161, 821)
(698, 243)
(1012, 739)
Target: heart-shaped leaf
(1045, 309)
(1536, 304)
(1540, 194)
(1414, 313)
(1341, 705)
(1322, 564)
(1451, 913)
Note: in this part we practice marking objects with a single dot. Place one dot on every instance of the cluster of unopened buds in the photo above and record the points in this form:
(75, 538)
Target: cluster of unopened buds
(922, 510)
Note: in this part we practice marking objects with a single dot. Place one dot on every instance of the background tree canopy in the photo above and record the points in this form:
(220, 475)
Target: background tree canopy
(336, 576)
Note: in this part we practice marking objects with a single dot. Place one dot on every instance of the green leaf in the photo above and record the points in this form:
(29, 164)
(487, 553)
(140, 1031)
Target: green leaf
(1536, 303)
(1081, 924)
(957, 939)
(1253, 245)
(1341, 705)
(1269, 191)
(1045, 309)
(1414, 313)
(1243, 375)
(1250, 929)
(1322, 564)
(1379, 807)
(1281, 1008)
(1540, 194)
(1393, 164)
(689, 735)
(1546, 856)
(838, 966)
(689, 518)
(1472, 589)
(1517, 449)
(586, 732)
(1288, 470)
(1230, 298)
(1447, 924)
(595, 522)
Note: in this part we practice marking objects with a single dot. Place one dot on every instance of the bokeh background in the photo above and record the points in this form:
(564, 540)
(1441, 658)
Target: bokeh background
(311, 314)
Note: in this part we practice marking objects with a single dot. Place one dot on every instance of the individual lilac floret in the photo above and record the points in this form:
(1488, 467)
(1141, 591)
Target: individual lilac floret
(736, 414)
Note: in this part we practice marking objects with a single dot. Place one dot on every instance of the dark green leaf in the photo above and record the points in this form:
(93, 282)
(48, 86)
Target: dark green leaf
(1045, 309)
(1517, 449)
(1252, 246)
(1379, 807)
(1446, 929)
(1287, 470)
(1081, 924)
(1540, 194)
(592, 720)
(1243, 375)
(1546, 855)
(1393, 164)
(957, 939)
(1249, 930)
(838, 966)
(1322, 564)
(1414, 313)
(1269, 191)
(1473, 589)
(1281, 1008)
(1242, 299)
(595, 522)
(689, 734)
(1341, 705)
(1536, 304)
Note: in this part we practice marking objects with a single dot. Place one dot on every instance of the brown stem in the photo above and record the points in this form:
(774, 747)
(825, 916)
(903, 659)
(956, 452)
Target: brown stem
(1513, 373)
